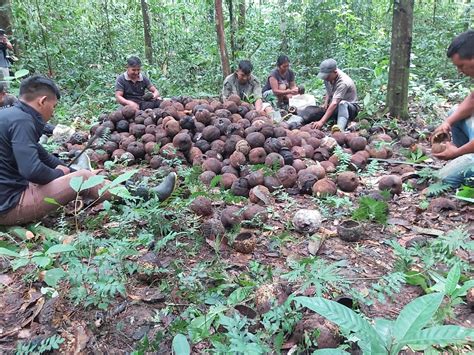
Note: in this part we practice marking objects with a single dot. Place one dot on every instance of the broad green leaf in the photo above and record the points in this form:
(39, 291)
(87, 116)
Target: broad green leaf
(452, 279)
(53, 276)
(21, 73)
(415, 315)
(93, 181)
(384, 328)
(181, 345)
(8, 252)
(416, 279)
(51, 201)
(118, 180)
(348, 320)
(59, 248)
(41, 261)
(461, 291)
(442, 335)
(239, 294)
(76, 183)
(20, 262)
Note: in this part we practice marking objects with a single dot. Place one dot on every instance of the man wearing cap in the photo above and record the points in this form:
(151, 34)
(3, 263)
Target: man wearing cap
(340, 101)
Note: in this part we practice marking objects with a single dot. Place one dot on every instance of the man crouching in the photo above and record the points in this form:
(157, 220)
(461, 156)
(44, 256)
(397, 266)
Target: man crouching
(28, 173)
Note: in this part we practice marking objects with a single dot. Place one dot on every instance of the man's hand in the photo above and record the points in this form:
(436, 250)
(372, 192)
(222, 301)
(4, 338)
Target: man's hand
(156, 95)
(445, 127)
(64, 169)
(449, 153)
(318, 124)
(134, 105)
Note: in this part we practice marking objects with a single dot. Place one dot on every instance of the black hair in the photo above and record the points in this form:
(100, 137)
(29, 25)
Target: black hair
(37, 85)
(463, 45)
(282, 59)
(246, 66)
(134, 62)
(3, 88)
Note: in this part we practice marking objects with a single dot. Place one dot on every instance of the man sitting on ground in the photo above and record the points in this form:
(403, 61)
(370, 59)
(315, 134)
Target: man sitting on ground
(29, 174)
(460, 121)
(340, 101)
(130, 87)
(245, 85)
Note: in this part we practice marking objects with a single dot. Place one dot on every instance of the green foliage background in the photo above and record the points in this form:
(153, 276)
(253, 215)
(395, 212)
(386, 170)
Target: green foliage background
(88, 42)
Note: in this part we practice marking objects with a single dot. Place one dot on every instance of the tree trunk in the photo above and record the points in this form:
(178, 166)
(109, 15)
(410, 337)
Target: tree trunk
(233, 29)
(241, 26)
(283, 26)
(146, 32)
(219, 17)
(5, 16)
(402, 26)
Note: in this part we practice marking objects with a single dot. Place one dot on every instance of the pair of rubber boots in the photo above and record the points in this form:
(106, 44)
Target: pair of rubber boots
(162, 191)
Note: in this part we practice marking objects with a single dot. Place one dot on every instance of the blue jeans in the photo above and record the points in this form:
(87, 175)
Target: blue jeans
(460, 170)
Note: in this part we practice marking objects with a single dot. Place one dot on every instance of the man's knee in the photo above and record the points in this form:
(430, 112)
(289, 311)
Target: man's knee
(458, 171)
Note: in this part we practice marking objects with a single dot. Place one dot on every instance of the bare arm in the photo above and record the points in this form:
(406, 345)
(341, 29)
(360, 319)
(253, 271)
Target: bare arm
(330, 110)
(154, 90)
(7, 42)
(275, 89)
(465, 109)
(123, 101)
(258, 105)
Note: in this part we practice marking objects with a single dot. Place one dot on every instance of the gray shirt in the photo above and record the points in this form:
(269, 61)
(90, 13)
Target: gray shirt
(342, 89)
(133, 91)
(233, 87)
(281, 79)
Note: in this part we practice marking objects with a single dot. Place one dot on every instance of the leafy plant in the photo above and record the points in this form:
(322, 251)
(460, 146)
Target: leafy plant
(437, 188)
(465, 193)
(46, 345)
(371, 210)
(387, 336)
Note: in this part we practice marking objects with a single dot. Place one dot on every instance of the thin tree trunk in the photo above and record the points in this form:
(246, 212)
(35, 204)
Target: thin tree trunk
(468, 16)
(402, 26)
(219, 18)
(241, 25)
(283, 26)
(435, 3)
(146, 32)
(43, 36)
(109, 28)
(233, 29)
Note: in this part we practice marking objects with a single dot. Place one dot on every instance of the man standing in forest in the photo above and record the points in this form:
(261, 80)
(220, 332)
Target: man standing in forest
(460, 123)
(4, 63)
(340, 101)
(130, 87)
(245, 85)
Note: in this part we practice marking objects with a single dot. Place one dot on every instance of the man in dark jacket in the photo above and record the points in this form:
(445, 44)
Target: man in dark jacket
(29, 174)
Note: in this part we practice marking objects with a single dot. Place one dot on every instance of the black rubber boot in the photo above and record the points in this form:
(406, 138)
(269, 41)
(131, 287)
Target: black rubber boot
(166, 187)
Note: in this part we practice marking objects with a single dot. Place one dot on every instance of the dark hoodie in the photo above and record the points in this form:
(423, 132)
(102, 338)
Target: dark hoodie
(22, 158)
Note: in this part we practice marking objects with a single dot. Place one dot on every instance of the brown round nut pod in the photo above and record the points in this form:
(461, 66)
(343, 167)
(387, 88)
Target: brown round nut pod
(255, 178)
(347, 181)
(211, 133)
(350, 231)
(407, 141)
(317, 170)
(391, 183)
(257, 156)
(206, 177)
(182, 142)
(324, 187)
(437, 148)
(254, 215)
(240, 187)
(212, 164)
(237, 159)
(228, 180)
(203, 116)
(328, 166)
(151, 148)
(228, 169)
(274, 159)
(172, 128)
(357, 143)
(299, 164)
(156, 161)
(255, 139)
(271, 183)
(260, 195)
(287, 176)
(244, 243)
(231, 216)
(201, 206)
(137, 149)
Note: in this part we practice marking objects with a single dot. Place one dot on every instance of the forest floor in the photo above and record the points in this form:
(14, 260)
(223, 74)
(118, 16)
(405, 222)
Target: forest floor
(126, 291)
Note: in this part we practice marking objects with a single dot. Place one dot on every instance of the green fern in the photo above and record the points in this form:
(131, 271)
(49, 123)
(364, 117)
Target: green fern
(371, 210)
(46, 345)
(437, 189)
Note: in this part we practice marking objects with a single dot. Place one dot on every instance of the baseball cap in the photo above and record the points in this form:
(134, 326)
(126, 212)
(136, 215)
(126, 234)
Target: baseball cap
(326, 67)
